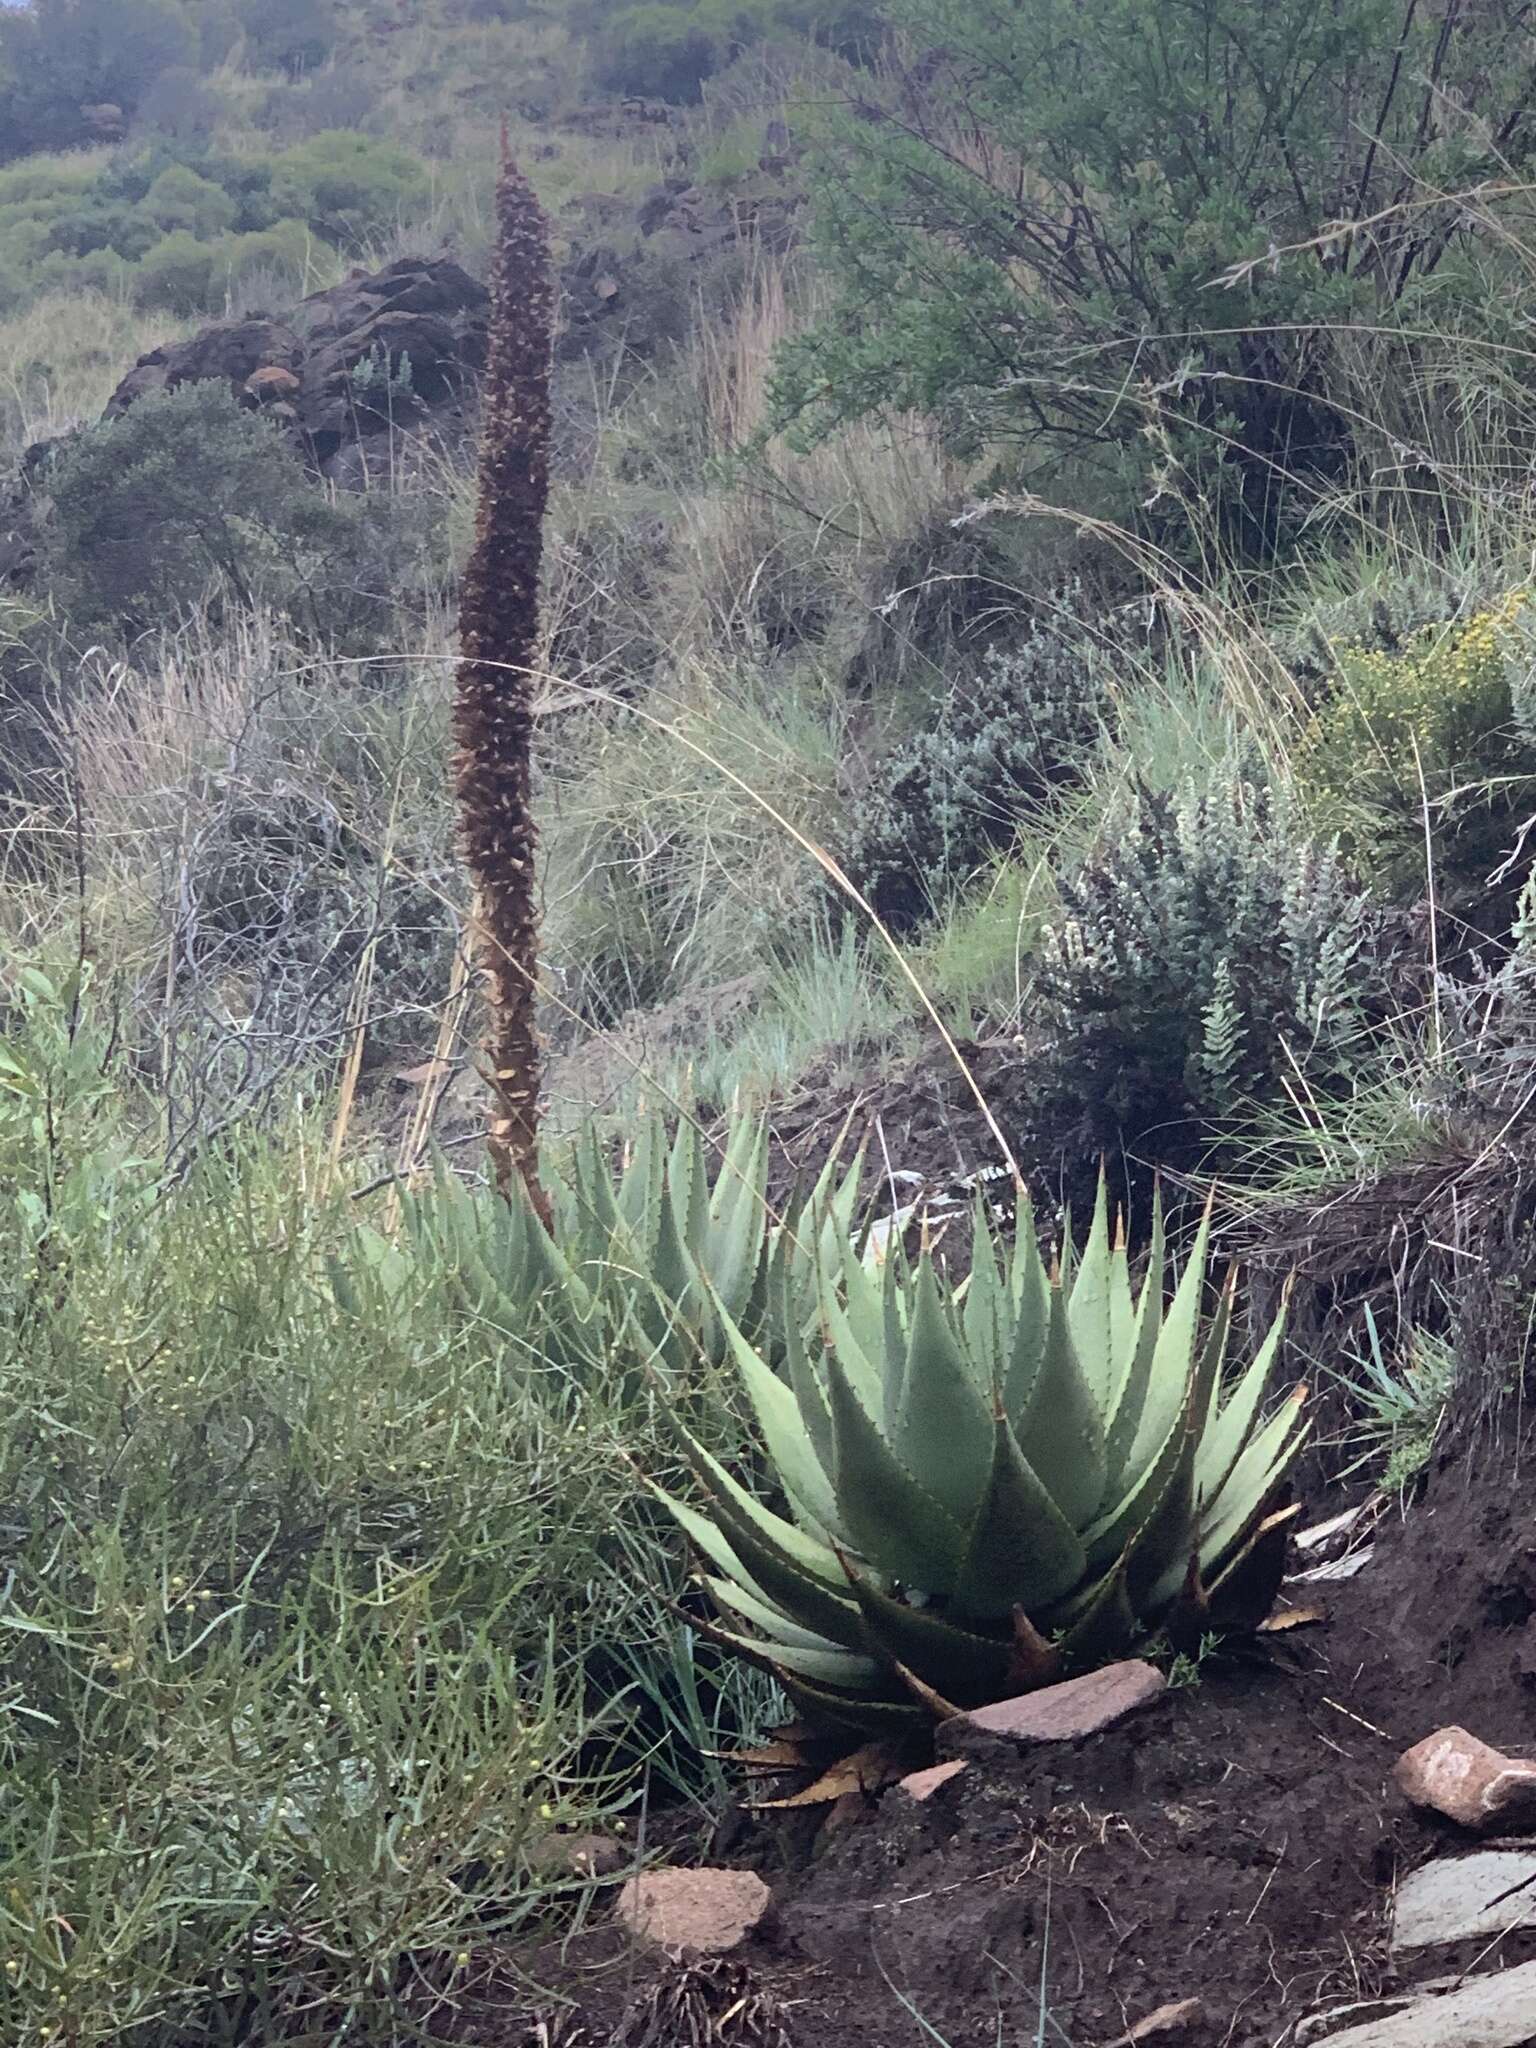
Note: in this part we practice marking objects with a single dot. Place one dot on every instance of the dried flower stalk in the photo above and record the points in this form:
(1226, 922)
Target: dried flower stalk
(493, 709)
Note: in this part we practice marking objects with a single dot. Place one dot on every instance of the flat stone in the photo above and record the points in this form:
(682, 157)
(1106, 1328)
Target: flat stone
(1465, 1898)
(921, 1785)
(1454, 1773)
(1322, 2026)
(1490, 2012)
(1166, 2024)
(1056, 1713)
(693, 1912)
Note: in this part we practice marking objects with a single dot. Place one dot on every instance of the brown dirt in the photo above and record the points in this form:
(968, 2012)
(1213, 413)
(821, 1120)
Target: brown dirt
(1238, 1842)
(920, 1117)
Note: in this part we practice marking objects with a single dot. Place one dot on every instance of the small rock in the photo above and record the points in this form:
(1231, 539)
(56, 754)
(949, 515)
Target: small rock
(921, 1785)
(1057, 1713)
(1465, 1898)
(583, 1855)
(272, 384)
(1164, 2024)
(693, 1912)
(1466, 1780)
(1489, 2012)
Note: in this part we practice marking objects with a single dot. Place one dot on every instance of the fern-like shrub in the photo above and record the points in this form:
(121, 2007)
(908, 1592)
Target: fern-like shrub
(1205, 951)
(1019, 728)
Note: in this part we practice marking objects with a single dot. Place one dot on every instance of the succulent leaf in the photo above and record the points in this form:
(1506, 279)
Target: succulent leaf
(1173, 1354)
(805, 1382)
(1105, 1625)
(1089, 1313)
(955, 1661)
(985, 1313)
(1227, 1435)
(942, 1431)
(889, 1517)
(778, 1631)
(1022, 1550)
(754, 1530)
(1129, 1404)
(1062, 1423)
(843, 1668)
(1032, 1316)
(789, 1442)
(860, 1710)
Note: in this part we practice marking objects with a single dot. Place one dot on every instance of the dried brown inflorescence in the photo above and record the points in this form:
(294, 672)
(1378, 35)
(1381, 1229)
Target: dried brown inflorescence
(493, 711)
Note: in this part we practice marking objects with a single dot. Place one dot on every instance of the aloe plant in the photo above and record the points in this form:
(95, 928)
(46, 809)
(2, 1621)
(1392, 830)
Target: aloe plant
(995, 1484)
(659, 1260)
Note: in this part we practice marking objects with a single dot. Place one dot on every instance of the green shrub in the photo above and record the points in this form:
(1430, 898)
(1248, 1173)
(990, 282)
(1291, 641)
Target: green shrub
(1205, 951)
(991, 753)
(158, 208)
(187, 497)
(1441, 718)
(347, 185)
(176, 273)
(154, 508)
(104, 221)
(294, 35)
(46, 177)
(102, 270)
(185, 275)
(58, 57)
(180, 199)
(658, 52)
(664, 51)
(1159, 149)
(283, 251)
(312, 1574)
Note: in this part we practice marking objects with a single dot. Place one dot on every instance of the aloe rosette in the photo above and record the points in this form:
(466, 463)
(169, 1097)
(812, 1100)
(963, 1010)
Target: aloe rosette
(995, 1484)
(651, 1264)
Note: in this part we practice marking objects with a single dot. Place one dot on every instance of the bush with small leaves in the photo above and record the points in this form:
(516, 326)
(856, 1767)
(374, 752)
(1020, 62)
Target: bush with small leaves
(181, 198)
(59, 59)
(186, 498)
(1431, 729)
(1018, 728)
(1023, 215)
(176, 224)
(1204, 951)
(176, 273)
(660, 52)
(294, 35)
(667, 50)
(347, 185)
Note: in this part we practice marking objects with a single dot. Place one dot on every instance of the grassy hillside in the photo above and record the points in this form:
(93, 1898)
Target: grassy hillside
(1037, 612)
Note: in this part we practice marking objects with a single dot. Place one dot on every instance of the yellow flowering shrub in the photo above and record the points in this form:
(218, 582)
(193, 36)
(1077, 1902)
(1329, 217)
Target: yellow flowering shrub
(1432, 720)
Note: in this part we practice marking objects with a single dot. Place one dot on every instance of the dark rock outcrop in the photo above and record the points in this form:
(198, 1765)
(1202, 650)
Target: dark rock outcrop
(376, 357)
(359, 376)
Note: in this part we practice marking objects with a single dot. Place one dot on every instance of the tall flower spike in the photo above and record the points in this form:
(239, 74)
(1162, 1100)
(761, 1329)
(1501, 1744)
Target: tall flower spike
(498, 636)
